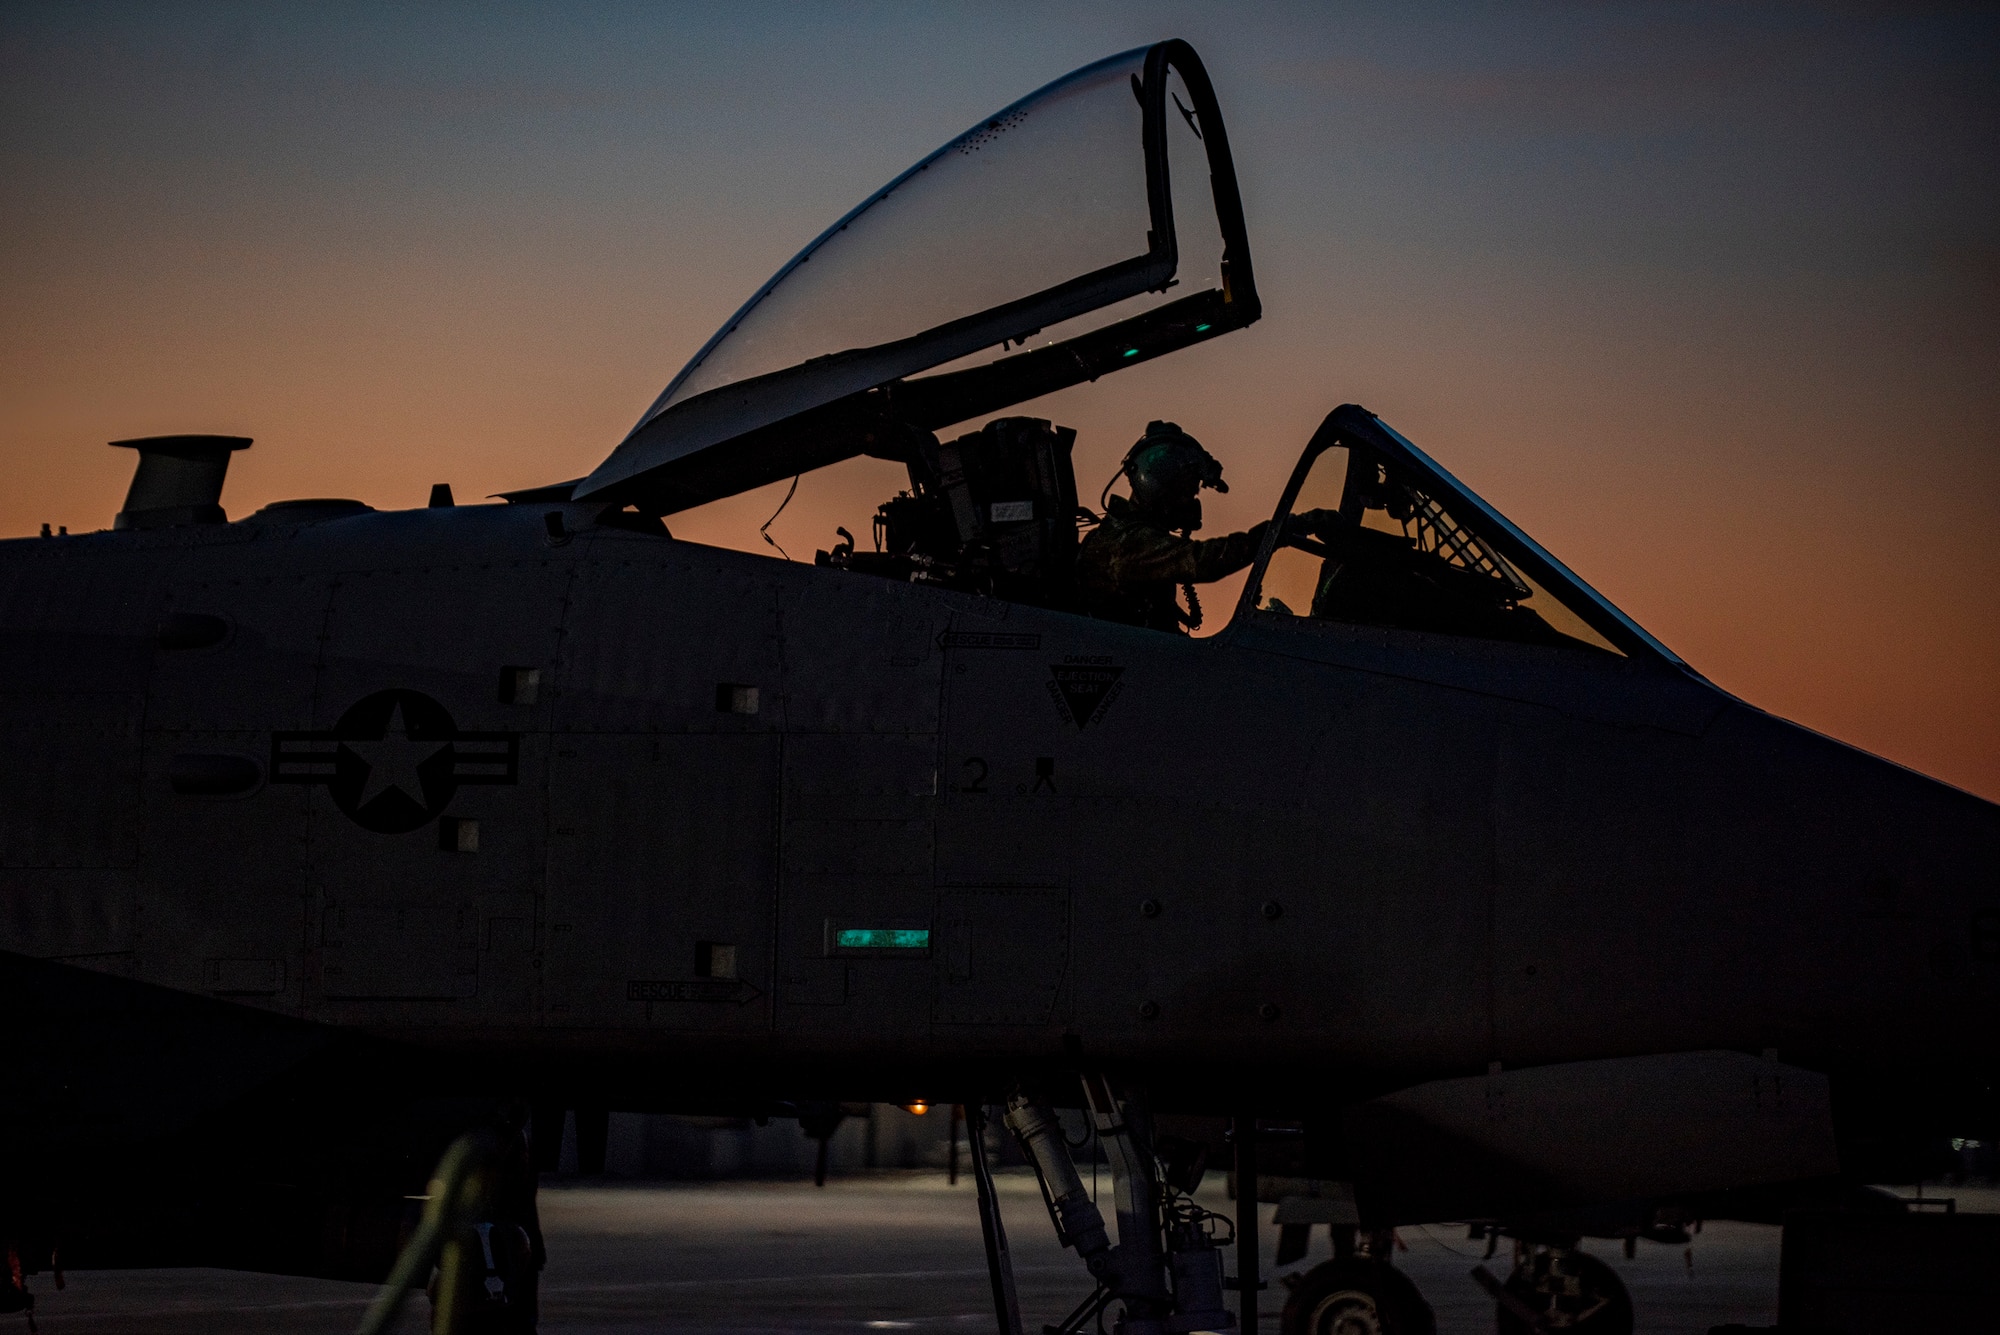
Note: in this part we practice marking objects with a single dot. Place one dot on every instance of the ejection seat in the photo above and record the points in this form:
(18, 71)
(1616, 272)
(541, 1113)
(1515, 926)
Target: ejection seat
(993, 511)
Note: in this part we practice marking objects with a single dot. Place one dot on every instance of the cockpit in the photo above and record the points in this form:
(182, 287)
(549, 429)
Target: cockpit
(1092, 226)
(1392, 540)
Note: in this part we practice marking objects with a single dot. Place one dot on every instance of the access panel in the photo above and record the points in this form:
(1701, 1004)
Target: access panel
(424, 765)
(660, 877)
(1003, 953)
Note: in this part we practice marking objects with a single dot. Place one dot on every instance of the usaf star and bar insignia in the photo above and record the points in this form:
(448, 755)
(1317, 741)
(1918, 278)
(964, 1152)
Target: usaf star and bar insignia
(393, 762)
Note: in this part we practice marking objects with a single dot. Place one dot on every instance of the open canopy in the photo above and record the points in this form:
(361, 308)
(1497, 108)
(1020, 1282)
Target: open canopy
(986, 259)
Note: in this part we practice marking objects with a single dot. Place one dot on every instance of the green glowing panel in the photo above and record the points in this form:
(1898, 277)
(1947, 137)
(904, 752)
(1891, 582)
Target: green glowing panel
(883, 938)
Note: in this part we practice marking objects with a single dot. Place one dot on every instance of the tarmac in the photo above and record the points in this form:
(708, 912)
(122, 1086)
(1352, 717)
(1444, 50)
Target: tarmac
(885, 1251)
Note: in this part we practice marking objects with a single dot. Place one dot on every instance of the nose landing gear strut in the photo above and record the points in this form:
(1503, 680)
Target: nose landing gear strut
(1164, 1270)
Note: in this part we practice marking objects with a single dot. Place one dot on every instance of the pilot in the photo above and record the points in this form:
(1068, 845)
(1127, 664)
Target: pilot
(1130, 566)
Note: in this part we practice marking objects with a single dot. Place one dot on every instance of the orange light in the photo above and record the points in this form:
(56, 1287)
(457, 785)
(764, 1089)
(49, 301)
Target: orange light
(919, 1107)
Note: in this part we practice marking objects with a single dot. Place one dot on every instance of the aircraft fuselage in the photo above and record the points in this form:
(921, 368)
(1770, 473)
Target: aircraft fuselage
(634, 803)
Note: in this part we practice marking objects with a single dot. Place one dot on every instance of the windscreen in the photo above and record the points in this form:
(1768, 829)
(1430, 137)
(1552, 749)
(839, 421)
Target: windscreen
(1372, 546)
(1048, 190)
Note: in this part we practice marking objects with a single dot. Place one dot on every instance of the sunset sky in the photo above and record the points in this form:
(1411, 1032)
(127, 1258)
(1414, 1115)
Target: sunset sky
(1705, 297)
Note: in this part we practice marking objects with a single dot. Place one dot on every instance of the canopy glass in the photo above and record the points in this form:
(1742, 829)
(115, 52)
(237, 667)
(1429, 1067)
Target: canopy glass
(1049, 189)
(1049, 210)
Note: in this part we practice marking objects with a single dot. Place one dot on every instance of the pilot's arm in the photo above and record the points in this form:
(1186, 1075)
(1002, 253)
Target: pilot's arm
(1147, 555)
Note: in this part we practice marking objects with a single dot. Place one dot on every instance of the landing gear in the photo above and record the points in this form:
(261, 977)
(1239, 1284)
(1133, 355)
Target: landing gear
(1564, 1290)
(1165, 1269)
(1356, 1295)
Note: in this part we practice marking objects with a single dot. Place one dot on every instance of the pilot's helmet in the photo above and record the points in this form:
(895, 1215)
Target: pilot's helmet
(1168, 468)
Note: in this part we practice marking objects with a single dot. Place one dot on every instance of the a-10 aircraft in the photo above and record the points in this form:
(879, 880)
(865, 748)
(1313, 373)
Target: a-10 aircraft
(1432, 877)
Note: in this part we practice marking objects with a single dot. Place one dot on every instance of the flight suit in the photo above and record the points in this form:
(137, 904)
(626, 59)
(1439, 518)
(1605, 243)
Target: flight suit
(1129, 566)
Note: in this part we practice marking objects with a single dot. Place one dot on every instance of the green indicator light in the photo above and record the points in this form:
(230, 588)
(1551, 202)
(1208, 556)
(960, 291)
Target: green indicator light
(1131, 352)
(883, 938)
(1203, 328)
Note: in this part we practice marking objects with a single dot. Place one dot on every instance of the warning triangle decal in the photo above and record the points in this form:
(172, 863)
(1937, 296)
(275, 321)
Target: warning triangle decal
(1084, 692)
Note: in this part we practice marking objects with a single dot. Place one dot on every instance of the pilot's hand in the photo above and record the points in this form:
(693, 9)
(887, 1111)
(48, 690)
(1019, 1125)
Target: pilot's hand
(1312, 524)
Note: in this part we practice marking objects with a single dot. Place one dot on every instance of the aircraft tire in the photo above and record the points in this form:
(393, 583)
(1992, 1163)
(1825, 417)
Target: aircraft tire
(1597, 1280)
(1356, 1296)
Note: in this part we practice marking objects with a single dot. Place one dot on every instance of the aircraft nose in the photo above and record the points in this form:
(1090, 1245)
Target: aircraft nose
(1866, 898)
